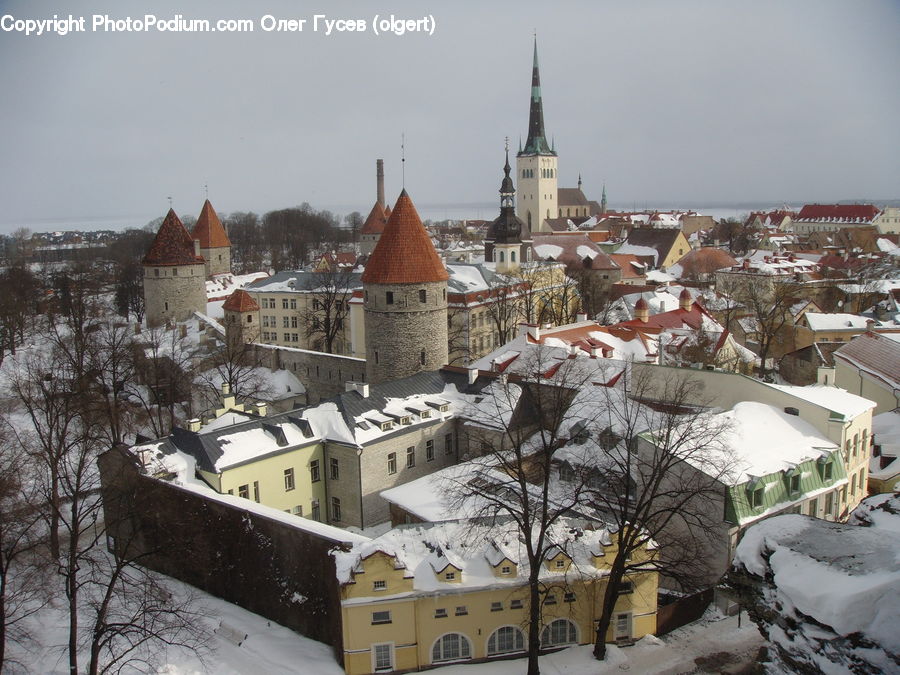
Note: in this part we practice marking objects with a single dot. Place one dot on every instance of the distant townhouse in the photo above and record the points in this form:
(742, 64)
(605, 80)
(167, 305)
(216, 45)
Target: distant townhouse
(833, 217)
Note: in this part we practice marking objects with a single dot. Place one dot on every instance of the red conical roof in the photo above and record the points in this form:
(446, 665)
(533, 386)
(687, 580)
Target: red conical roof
(404, 254)
(209, 230)
(387, 210)
(241, 301)
(173, 244)
(376, 221)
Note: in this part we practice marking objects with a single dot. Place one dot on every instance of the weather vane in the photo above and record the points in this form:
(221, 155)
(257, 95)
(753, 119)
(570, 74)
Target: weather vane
(206, 190)
(403, 160)
(170, 202)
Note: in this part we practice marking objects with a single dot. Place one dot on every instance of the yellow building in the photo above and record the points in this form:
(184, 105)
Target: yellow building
(418, 597)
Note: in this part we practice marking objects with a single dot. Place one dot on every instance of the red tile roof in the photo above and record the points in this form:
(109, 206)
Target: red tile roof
(624, 261)
(838, 212)
(209, 230)
(676, 318)
(404, 254)
(705, 261)
(241, 301)
(376, 220)
(173, 244)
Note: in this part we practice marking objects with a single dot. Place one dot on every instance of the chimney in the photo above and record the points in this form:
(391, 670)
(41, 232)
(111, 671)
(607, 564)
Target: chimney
(261, 409)
(379, 178)
(870, 325)
(361, 388)
(473, 375)
(531, 329)
(581, 316)
(746, 263)
(194, 425)
(226, 389)
(197, 247)
(182, 330)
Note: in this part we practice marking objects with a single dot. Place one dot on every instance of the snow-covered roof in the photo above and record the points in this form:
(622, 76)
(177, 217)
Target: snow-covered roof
(820, 321)
(832, 398)
(470, 547)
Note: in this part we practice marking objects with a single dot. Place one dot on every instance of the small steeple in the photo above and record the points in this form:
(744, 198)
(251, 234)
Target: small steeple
(507, 189)
(537, 138)
(603, 201)
(579, 180)
(507, 228)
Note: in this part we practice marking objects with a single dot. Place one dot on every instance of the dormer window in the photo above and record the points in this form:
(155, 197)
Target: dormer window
(406, 420)
(387, 426)
(450, 576)
(560, 563)
(506, 569)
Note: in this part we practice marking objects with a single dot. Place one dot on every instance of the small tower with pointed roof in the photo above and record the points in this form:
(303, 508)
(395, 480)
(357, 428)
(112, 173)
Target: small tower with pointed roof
(174, 274)
(241, 318)
(378, 216)
(603, 201)
(215, 247)
(507, 228)
(536, 164)
(404, 299)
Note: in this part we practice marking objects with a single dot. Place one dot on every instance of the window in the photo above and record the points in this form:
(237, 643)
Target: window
(422, 295)
(560, 564)
(496, 606)
(288, 479)
(392, 463)
(314, 471)
(381, 617)
(569, 597)
(284, 303)
(566, 472)
(256, 491)
(515, 604)
(625, 588)
(244, 491)
(795, 483)
(379, 585)
(335, 509)
(293, 322)
(383, 657)
(285, 322)
(461, 610)
(506, 569)
(389, 297)
(862, 480)
(335, 467)
(297, 510)
(813, 507)
(440, 613)
(293, 303)
(559, 632)
(853, 485)
(550, 599)
(156, 272)
(448, 444)
(450, 576)
(429, 451)
(410, 457)
(451, 647)
(422, 357)
(828, 471)
(829, 504)
(756, 497)
(316, 515)
(506, 640)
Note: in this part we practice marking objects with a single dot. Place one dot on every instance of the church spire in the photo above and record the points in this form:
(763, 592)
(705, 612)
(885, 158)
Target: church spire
(603, 201)
(537, 138)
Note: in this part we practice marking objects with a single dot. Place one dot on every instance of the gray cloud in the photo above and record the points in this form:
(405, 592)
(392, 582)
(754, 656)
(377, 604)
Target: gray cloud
(664, 101)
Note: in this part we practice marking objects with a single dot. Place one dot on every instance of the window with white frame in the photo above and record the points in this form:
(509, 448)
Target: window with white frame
(451, 647)
(381, 617)
(506, 640)
(383, 657)
(559, 632)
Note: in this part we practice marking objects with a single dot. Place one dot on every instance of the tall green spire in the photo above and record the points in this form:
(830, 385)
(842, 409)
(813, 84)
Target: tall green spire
(537, 138)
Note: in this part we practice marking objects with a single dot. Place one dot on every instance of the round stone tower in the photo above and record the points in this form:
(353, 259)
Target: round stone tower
(174, 274)
(241, 318)
(405, 299)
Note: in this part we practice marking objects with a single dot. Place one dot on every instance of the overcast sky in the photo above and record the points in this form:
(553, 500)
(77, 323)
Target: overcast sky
(666, 102)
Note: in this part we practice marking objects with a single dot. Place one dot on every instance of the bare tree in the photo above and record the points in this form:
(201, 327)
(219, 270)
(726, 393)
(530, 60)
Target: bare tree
(518, 427)
(22, 572)
(235, 364)
(326, 313)
(769, 305)
(640, 473)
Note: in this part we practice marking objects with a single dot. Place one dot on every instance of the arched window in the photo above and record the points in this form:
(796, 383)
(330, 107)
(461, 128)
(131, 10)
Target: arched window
(512, 256)
(506, 640)
(559, 632)
(450, 647)
(502, 259)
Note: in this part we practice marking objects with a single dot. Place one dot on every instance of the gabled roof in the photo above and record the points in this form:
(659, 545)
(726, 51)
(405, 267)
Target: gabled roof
(404, 253)
(705, 261)
(571, 197)
(173, 244)
(375, 221)
(662, 239)
(209, 230)
(856, 213)
(875, 354)
(240, 301)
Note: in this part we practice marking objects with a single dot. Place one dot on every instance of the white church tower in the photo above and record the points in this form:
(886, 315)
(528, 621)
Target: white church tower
(536, 165)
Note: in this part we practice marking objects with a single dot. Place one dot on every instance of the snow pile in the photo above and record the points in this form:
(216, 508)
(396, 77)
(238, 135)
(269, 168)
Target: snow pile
(826, 595)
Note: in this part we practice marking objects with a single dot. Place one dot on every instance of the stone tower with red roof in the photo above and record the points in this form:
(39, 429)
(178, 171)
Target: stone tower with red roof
(174, 274)
(405, 299)
(241, 318)
(215, 247)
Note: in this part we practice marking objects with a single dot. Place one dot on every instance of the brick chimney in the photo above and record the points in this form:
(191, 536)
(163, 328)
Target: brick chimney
(379, 178)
